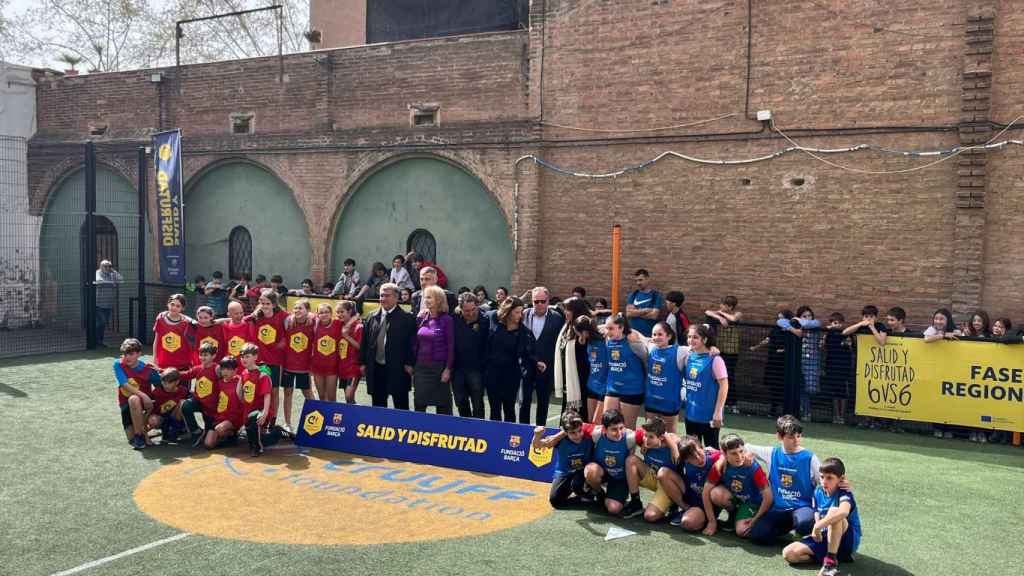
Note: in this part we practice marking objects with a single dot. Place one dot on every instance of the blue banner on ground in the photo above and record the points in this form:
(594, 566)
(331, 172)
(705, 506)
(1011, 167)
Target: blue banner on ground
(170, 213)
(501, 448)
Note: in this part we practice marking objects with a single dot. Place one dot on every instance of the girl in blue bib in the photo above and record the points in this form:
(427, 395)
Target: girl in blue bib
(707, 385)
(597, 356)
(625, 384)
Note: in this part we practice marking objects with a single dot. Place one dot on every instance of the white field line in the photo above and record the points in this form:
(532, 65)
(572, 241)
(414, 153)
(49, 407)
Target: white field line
(119, 555)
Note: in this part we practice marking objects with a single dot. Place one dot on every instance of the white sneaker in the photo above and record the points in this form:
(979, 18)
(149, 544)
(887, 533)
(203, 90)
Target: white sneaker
(287, 428)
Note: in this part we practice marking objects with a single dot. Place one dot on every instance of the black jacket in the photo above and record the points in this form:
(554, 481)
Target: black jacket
(507, 350)
(398, 353)
(545, 345)
(471, 342)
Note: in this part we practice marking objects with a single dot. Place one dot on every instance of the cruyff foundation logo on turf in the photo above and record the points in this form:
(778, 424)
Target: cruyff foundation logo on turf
(388, 501)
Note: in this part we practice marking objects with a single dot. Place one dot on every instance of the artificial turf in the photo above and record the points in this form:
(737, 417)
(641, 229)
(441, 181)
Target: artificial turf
(927, 506)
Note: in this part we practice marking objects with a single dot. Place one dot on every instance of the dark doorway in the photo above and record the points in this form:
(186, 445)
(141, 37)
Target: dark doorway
(422, 242)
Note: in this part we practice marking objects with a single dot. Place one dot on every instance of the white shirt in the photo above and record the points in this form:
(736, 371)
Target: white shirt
(537, 324)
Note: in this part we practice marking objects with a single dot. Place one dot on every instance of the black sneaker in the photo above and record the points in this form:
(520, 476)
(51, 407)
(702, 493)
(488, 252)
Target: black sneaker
(632, 508)
(676, 519)
(138, 442)
(197, 439)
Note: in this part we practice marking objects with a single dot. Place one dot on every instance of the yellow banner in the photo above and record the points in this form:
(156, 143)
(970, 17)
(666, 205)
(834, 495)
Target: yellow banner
(979, 384)
(314, 301)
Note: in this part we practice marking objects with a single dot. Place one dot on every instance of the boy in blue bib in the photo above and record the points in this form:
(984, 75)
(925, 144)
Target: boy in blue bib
(573, 450)
(836, 532)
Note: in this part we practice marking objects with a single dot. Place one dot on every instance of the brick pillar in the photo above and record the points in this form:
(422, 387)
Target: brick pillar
(969, 234)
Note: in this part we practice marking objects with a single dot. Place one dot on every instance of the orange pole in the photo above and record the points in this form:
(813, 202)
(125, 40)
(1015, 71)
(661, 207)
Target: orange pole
(616, 266)
(1016, 438)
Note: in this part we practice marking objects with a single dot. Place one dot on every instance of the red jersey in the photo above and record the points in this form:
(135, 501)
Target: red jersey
(228, 406)
(269, 336)
(209, 334)
(348, 356)
(205, 390)
(235, 336)
(255, 386)
(173, 349)
(299, 342)
(165, 401)
(139, 378)
(325, 349)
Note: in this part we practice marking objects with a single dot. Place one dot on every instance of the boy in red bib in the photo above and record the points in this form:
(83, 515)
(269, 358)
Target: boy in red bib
(204, 393)
(207, 331)
(227, 420)
(254, 392)
(235, 330)
(167, 399)
(172, 344)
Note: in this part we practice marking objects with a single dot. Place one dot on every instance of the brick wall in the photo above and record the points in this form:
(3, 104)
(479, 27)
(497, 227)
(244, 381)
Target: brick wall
(899, 74)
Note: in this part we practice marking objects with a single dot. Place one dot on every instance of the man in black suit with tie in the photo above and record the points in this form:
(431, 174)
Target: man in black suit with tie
(387, 351)
(545, 324)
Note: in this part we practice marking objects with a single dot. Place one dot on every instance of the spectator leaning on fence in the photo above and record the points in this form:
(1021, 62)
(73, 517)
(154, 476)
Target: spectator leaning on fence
(107, 280)
(217, 295)
(348, 283)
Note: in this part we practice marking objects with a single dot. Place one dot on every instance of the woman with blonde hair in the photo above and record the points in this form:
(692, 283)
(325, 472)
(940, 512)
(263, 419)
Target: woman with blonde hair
(434, 350)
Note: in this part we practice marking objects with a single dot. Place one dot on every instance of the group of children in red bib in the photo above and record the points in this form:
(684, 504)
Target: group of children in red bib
(229, 372)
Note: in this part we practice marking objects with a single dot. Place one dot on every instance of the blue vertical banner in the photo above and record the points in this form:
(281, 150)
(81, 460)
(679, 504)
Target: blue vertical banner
(170, 212)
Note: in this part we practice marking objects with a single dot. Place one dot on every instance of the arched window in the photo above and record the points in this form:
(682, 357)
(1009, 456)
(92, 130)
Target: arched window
(423, 243)
(239, 252)
(106, 245)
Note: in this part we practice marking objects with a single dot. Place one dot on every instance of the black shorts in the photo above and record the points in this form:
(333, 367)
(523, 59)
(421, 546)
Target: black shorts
(633, 399)
(297, 380)
(126, 415)
(594, 395)
(616, 488)
(344, 383)
(660, 413)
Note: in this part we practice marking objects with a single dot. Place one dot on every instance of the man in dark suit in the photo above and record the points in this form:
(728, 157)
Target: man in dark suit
(428, 277)
(545, 324)
(386, 354)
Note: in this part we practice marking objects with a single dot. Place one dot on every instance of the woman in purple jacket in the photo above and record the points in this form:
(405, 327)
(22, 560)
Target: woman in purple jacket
(434, 349)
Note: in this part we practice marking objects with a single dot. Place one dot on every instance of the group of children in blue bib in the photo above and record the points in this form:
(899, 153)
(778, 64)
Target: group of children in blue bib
(765, 492)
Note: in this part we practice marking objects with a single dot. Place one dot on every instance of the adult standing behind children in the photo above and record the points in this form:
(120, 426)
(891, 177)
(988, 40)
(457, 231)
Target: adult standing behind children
(386, 354)
(545, 323)
(107, 280)
(435, 353)
(428, 278)
(472, 328)
(643, 306)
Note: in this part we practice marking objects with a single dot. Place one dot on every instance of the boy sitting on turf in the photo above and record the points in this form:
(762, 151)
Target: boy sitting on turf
(135, 379)
(204, 396)
(684, 484)
(613, 443)
(254, 392)
(751, 495)
(167, 399)
(659, 449)
(227, 419)
(836, 532)
(572, 452)
(793, 474)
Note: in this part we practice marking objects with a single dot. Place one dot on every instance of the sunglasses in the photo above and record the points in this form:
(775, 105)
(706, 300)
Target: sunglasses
(540, 301)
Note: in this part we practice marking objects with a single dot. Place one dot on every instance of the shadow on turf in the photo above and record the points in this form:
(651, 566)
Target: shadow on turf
(12, 391)
(177, 452)
(911, 442)
(37, 359)
(861, 566)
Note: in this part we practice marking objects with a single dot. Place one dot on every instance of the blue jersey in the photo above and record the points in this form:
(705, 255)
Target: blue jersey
(625, 370)
(741, 481)
(664, 381)
(597, 351)
(645, 301)
(822, 503)
(572, 456)
(658, 457)
(695, 476)
(701, 388)
(612, 455)
(792, 480)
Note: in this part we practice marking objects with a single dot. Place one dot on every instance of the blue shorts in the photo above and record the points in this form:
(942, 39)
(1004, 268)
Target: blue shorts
(847, 546)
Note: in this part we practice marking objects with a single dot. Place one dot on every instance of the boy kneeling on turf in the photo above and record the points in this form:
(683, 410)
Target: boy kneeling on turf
(747, 494)
(204, 397)
(167, 399)
(613, 443)
(836, 532)
(684, 484)
(659, 450)
(572, 452)
(254, 392)
(135, 380)
(227, 420)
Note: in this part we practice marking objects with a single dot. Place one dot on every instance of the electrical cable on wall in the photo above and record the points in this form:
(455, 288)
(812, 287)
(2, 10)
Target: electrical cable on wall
(816, 153)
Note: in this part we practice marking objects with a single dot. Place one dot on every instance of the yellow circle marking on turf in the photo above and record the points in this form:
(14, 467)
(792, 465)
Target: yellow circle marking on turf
(330, 498)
